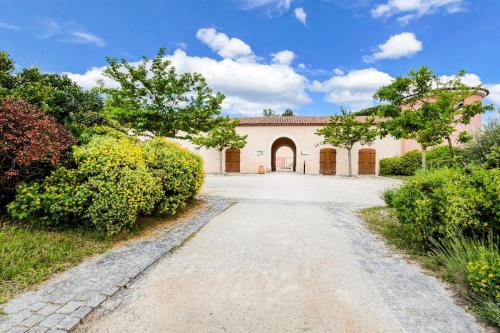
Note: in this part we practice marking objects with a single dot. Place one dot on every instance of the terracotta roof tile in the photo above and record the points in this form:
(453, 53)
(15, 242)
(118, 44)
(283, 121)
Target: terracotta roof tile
(285, 121)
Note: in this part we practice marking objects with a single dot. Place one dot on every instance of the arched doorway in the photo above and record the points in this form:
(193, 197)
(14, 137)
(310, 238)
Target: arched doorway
(232, 160)
(283, 142)
(366, 161)
(327, 161)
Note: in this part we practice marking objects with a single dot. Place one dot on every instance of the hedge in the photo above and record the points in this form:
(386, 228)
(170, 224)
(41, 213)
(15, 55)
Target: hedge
(115, 179)
(441, 203)
(409, 163)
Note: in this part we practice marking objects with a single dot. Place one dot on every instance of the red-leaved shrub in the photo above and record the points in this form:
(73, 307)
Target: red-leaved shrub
(31, 143)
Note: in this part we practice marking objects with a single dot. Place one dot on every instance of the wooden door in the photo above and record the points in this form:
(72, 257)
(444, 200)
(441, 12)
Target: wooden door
(327, 161)
(232, 160)
(366, 161)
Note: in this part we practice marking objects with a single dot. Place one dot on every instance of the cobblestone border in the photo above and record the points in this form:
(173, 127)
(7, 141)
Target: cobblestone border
(62, 303)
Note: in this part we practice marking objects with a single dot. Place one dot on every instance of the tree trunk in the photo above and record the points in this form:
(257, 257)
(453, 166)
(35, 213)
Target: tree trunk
(424, 158)
(350, 162)
(450, 146)
(220, 163)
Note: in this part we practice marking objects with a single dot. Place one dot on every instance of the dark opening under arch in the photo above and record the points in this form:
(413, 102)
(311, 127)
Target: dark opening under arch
(283, 142)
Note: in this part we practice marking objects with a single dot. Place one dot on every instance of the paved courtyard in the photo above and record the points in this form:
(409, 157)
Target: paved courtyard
(288, 255)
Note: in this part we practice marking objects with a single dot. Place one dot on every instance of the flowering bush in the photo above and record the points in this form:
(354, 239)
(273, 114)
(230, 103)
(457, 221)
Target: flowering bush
(116, 180)
(483, 274)
(439, 203)
(31, 142)
(179, 172)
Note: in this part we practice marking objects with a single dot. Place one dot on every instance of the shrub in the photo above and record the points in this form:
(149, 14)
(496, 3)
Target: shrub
(179, 171)
(487, 141)
(110, 187)
(390, 166)
(31, 143)
(441, 157)
(439, 203)
(475, 266)
(116, 179)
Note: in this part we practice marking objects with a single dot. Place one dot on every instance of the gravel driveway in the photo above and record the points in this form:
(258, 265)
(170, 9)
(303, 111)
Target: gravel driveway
(290, 255)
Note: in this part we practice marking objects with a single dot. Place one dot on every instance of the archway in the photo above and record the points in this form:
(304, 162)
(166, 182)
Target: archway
(283, 142)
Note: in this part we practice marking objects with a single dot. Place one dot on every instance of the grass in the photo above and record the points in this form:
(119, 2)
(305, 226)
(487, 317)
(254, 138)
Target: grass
(398, 177)
(448, 261)
(30, 256)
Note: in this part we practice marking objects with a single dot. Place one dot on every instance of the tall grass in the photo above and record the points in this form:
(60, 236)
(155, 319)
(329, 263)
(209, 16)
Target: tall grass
(455, 254)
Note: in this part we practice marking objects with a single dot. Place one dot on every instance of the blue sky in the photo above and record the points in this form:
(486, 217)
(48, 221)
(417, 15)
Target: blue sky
(310, 55)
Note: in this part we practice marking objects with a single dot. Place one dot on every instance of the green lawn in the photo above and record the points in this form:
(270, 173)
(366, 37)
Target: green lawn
(29, 256)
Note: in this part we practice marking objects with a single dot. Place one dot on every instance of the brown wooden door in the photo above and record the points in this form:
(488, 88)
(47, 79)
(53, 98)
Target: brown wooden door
(327, 161)
(232, 160)
(366, 161)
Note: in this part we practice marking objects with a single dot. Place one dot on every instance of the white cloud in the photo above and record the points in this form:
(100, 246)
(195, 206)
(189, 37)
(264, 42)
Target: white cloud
(301, 15)
(8, 26)
(227, 48)
(338, 71)
(354, 89)
(281, 5)
(469, 79)
(284, 57)
(407, 10)
(70, 33)
(82, 37)
(249, 86)
(494, 96)
(404, 44)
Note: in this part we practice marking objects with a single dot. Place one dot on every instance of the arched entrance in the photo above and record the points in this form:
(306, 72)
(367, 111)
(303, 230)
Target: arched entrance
(232, 160)
(283, 142)
(327, 161)
(366, 161)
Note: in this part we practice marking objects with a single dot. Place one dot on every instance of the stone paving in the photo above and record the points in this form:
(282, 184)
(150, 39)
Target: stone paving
(63, 302)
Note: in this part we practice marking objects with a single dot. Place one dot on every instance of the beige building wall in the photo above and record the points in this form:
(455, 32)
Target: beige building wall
(257, 152)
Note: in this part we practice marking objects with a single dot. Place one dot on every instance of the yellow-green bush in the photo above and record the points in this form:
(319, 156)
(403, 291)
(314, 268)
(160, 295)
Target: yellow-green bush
(483, 274)
(179, 172)
(439, 203)
(115, 180)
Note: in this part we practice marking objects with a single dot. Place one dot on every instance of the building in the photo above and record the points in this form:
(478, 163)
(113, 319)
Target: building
(290, 144)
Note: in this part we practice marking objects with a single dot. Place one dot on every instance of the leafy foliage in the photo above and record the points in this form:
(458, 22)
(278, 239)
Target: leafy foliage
(269, 113)
(116, 179)
(55, 94)
(485, 148)
(31, 143)
(288, 113)
(222, 136)
(178, 171)
(424, 108)
(346, 130)
(445, 202)
(153, 97)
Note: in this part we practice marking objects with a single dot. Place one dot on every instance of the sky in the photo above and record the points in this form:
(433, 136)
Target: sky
(312, 56)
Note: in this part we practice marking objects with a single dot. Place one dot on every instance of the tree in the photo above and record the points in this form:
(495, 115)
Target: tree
(221, 137)
(427, 109)
(288, 113)
(346, 130)
(268, 113)
(31, 142)
(153, 97)
(55, 94)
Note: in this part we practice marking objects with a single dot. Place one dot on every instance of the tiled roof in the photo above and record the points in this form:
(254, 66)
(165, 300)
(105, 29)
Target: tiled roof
(285, 121)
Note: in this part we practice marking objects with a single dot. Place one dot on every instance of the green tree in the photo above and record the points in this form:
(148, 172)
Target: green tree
(55, 94)
(221, 137)
(425, 108)
(268, 113)
(346, 130)
(152, 97)
(288, 113)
